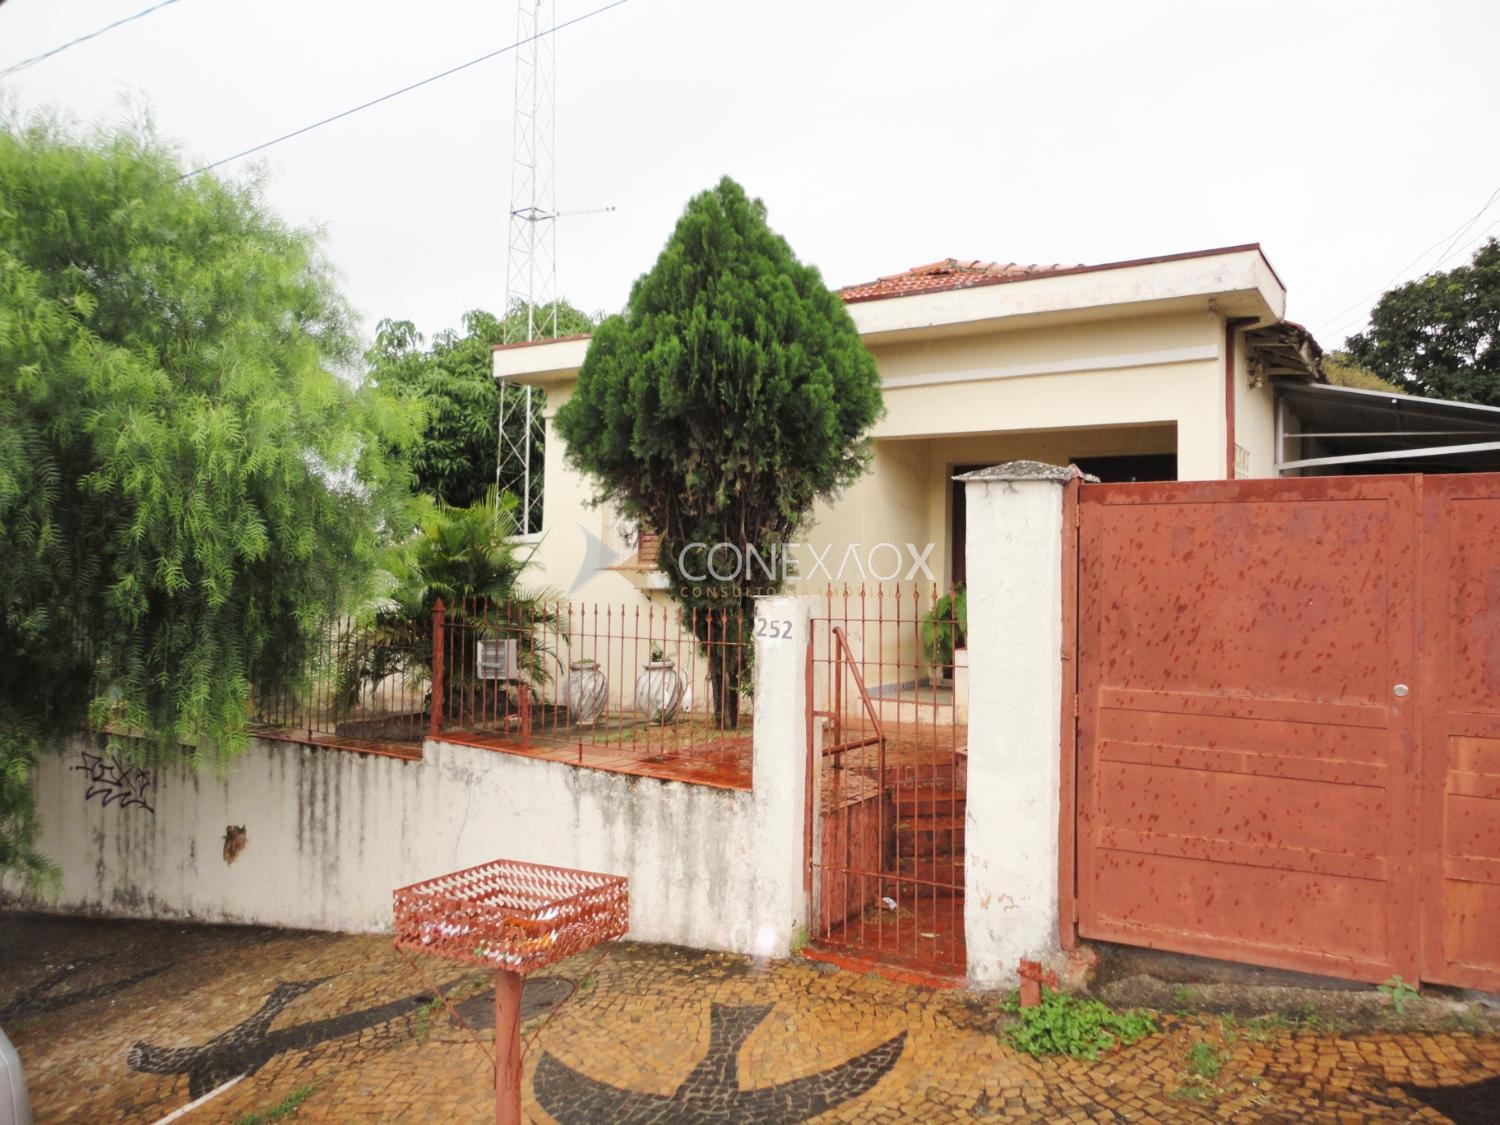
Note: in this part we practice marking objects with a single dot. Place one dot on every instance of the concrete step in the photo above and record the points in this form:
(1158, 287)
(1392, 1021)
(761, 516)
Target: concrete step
(946, 773)
(945, 873)
(906, 803)
(929, 836)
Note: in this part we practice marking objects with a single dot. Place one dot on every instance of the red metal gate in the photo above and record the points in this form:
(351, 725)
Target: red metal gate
(1289, 723)
(887, 768)
(1460, 734)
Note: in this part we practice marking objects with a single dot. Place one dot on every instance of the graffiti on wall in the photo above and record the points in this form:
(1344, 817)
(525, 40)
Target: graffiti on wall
(115, 782)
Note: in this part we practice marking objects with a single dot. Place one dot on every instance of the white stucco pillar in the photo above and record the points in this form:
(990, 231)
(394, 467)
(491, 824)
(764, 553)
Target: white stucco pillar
(1014, 568)
(779, 775)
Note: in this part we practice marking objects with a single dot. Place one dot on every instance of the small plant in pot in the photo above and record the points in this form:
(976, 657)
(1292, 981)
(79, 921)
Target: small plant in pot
(658, 689)
(943, 631)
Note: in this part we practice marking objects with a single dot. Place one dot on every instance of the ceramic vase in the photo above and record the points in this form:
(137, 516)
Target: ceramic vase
(588, 690)
(658, 691)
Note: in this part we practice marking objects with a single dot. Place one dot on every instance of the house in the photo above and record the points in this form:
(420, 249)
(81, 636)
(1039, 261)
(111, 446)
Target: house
(1152, 369)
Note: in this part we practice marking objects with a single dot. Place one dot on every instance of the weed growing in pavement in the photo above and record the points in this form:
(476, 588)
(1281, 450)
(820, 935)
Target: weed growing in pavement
(460, 992)
(1082, 1028)
(422, 1017)
(799, 941)
(1205, 1060)
(1399, 992)
(1194, 1090)
(1267, 1027)
(1184, 999)
(587, 984)
(285, 1107)
(1010, 1002)
(1229, 1027)
(1471, 1019)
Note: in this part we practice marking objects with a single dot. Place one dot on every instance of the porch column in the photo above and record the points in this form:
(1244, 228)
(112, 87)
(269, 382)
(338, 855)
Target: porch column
(783, 629)
(1015, 637)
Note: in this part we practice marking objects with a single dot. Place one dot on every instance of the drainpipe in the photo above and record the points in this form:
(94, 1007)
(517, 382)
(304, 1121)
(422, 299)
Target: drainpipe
(1232, 325)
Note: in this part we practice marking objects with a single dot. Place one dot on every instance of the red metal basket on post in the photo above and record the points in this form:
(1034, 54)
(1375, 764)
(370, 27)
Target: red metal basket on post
(515, 918)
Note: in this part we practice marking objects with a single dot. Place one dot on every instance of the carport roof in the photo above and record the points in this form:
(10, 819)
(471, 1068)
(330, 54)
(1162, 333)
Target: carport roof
(1377, 431)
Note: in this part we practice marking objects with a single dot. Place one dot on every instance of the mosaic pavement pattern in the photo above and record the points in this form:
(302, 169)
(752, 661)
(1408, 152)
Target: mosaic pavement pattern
(130, 1021)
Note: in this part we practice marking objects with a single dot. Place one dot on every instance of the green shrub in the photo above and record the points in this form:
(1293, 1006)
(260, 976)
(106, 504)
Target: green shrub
(944, 627)
(1082, 1028)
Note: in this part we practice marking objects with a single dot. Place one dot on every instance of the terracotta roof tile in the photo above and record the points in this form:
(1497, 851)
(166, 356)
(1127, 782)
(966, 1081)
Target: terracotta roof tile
(950, 273)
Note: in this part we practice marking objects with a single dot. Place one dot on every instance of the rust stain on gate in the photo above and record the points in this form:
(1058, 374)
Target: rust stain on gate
(1289, 723)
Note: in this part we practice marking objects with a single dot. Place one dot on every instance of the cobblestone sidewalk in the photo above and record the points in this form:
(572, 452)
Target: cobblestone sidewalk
(131, 1021)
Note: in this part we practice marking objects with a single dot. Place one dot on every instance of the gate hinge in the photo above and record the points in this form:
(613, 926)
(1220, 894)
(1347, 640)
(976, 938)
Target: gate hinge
(1075, 705)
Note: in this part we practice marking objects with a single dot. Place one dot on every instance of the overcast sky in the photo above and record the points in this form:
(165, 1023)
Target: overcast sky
(1346, 137)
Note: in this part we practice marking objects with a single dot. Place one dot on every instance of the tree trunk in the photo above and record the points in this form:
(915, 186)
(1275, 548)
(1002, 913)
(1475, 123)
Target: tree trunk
(722, 635)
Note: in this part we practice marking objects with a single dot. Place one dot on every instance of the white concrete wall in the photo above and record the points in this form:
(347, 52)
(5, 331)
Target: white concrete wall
(1014, 560)
(330, 833)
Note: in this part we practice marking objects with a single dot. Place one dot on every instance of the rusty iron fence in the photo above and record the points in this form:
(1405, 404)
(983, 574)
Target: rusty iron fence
(888, 753)
(596, 684)
(366, 683)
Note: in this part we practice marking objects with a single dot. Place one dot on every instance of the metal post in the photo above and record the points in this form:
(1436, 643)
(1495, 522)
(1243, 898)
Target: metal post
(507, 1047)
(436, 728)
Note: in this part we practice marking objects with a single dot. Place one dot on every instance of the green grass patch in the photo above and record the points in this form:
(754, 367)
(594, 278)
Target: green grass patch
(1205, 1060)
(799, 941)
(1264, 1028)
(284, 1108)
(1081, 1028)
(1229, 1027)
(1194, 1090)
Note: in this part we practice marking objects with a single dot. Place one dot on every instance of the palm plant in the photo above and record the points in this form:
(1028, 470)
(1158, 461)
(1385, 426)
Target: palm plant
(463, 556)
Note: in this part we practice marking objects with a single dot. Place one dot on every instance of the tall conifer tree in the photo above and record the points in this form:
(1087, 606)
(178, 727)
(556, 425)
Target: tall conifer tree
(730, 396)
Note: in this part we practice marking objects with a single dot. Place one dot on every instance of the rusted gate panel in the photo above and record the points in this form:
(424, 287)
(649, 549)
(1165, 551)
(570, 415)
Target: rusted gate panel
(1247, 771)
(1460, 706)
(888, 747)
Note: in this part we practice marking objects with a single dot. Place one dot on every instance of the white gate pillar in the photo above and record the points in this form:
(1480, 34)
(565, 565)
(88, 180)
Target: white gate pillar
(1014, 515)
(783, 628)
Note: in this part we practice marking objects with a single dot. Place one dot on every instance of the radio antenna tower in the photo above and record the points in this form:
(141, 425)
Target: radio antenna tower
(531, 261)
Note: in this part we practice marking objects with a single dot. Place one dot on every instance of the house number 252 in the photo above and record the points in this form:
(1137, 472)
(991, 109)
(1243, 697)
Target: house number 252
(772, 630)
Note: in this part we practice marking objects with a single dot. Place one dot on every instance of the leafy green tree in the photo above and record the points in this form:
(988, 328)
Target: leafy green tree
(186, 481)
(731, 394)
(454, 380)
(1440, 335)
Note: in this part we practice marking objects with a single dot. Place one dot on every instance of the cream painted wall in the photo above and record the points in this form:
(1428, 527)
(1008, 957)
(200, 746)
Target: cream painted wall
(1156, 370)
(1113, 386)
(1254, 417)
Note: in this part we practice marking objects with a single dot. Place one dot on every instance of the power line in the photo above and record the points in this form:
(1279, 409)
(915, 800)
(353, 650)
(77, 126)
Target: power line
(1443, 257)
(1340, 318)
(24, 63)
(397, 93)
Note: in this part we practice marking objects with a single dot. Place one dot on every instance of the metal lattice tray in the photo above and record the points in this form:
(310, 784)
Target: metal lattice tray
(511, 915)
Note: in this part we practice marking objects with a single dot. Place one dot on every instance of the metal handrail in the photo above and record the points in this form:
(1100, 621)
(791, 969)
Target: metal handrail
(878, 738)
